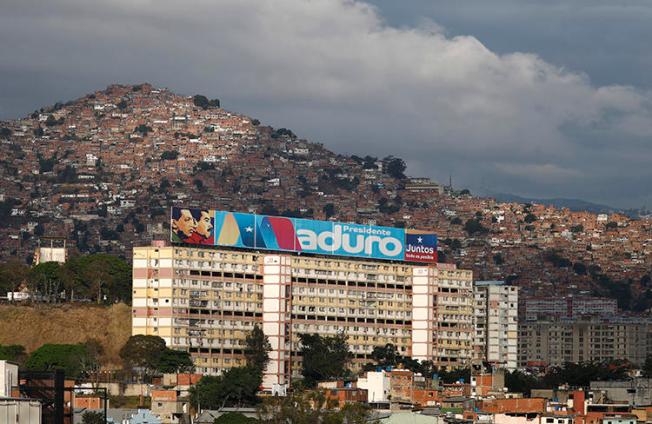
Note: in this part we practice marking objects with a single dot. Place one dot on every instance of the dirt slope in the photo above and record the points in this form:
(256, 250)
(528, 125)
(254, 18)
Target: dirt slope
(32, 326)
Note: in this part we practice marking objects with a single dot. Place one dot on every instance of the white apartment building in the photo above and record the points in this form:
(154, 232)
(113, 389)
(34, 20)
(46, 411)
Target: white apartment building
(496, 323)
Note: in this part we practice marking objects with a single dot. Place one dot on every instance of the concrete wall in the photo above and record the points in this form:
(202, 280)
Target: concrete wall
(20, 411)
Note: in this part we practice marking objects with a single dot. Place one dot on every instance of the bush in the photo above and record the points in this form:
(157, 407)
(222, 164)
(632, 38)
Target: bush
(169, 155)
(473, 226)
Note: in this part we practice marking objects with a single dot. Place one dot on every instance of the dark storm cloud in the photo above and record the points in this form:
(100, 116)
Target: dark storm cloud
(336, 72)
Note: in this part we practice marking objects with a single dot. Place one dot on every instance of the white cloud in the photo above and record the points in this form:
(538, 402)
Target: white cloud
(335, 72)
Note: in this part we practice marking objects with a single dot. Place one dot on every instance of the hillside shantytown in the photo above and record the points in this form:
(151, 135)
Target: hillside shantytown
(526, 314)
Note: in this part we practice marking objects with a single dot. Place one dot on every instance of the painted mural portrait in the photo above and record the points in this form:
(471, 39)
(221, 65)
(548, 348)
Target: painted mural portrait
(203, 233)
(182, 224)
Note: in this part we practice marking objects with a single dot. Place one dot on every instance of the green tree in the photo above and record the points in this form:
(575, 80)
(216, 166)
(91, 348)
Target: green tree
(12, 274)
(324, 358)
(498, 259)
(143, 352)
(257, 350)
(234, 418)
(530, 218)
(329, 210)
(308, 407)
(473, 226)
(169, 155)
(520, 382)
(143, 129)
(236, 387)
(13, 353)
(200, 101)
(48, 278)
(99, 275)
(69, 357)
(394, 167)
(174, 361)
(93, 417)
(579, 268)
(387, 355)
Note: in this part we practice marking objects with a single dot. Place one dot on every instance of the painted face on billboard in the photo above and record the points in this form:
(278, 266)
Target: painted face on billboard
(203, 231)
(205, 224)
(183, 224)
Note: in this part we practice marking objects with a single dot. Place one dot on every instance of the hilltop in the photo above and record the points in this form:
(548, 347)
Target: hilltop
(104, 169)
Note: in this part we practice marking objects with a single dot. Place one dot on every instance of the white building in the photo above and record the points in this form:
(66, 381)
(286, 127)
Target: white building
(496, 323)
(378, 386)
(14, 410)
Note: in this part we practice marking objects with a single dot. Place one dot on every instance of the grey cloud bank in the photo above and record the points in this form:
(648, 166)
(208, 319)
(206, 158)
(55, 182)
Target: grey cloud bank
(335, 72)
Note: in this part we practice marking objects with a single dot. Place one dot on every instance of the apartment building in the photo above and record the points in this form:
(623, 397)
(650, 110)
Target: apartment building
(533, 308)
(557, 341)
(496, 323)
(205, 300)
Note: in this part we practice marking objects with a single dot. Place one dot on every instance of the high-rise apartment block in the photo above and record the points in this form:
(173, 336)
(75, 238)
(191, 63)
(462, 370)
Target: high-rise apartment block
(496, 323)
(557, 341)
(205, 300)
(534, 308)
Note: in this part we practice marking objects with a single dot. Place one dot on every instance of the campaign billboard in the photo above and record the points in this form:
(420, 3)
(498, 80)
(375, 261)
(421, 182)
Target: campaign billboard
(220, 228)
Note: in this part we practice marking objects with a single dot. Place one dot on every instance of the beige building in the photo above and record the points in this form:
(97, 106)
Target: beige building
(206, 300)
(496, 323)
(556, 342)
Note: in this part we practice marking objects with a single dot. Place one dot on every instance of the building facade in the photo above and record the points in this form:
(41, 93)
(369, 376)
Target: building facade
(557, 341)
(533, 308)
(496, 323)
(206, 300)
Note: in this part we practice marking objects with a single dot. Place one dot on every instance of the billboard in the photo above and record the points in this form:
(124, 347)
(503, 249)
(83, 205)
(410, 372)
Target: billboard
(234, 229)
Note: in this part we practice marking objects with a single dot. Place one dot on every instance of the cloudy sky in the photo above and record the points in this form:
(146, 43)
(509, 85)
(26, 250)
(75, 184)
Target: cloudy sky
(542, 99)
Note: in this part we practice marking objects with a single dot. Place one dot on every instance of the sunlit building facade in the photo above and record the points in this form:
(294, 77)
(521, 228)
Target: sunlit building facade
(206, 300)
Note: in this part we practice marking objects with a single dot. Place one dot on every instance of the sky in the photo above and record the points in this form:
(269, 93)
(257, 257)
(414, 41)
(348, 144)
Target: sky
(540, 99)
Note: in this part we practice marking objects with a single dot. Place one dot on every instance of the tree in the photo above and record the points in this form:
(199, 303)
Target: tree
(235, 387)
(93, 417)
(47, 278)
(257, 350)
(12, 274)
(387, 355)
(473, 226)
(69, 357)
(169, 155)
(308, 407)
(329, 210)
(143, 352)
(200, 101)
(324, 358)
(99, 275)
(611, 225)
(394, 167)
(13, 353)
(174, 361)
(143, 129)
(5, 132)
(234, 418)
(530, 218)
(579, 268)
(520, 382)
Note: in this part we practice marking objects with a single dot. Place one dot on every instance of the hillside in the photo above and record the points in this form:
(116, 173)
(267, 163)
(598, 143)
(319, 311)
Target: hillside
(33, 326)
(103, 171)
